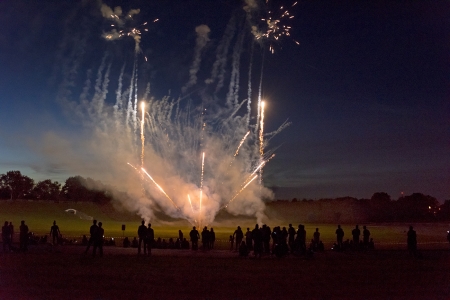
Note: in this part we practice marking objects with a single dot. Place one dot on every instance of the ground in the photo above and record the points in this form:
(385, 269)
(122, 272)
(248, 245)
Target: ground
(175, 274)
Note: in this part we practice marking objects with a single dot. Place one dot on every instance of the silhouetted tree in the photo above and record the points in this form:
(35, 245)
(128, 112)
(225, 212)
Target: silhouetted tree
(17, 184)
(417, 207)
(74, 189)
(47, 190)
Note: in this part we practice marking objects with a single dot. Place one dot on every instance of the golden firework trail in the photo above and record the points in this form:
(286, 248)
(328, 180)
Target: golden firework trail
(242, 142)
(142, 133)
(201, 180)
(190, 202)
(159, 187)
(237, 194)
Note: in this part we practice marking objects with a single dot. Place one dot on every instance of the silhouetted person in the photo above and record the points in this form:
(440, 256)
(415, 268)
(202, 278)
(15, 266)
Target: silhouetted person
(243, 251)
(248, 239)
(92, 231)
(126, 242)
(266, 238)
(142, 234)
(185, 244)
(180, 235)
(239, 235)
(316, 236)
(6, 237)
(366, 237)
(84, 240)
(212, 238)
(23, 236)
(257, 241)
(355, 234)
(55, 233)
(301, 239)
(11, 230)
(150, 239)
(339, 237)
(98, 240)
(291, 236)
(195, 236)
(412, 241)
(134, 243)
(205, 238)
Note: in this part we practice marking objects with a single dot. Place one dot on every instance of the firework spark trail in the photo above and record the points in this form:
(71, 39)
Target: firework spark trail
(233, 90)
(119, 103)
(190, 203)
(130, 95)
(242, 142)
(160, 188)
(142, 133)
(249, 90)
(261, 131)
(240, 191)
(201, 180)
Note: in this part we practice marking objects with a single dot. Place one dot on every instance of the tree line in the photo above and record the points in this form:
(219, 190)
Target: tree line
(379, 208)
(14, 185)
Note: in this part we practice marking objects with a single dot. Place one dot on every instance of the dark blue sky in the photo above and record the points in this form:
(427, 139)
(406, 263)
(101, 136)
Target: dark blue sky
(367, 89)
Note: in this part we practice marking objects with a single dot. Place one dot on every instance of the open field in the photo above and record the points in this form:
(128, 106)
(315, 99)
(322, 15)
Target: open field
(382, 274)
(389, 272)
(40, 215)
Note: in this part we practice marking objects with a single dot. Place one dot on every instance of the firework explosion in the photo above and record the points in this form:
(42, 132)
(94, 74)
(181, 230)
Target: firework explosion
(193, 159)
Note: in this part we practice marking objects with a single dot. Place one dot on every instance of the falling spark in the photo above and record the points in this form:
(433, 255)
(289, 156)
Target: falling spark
(159, 187)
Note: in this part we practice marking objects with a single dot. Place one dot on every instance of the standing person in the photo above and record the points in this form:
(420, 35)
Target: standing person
(212, 238)
(366, 237)
(291, 234)
(6, 237)
(195, 236)
(54, 232)
(205, 238)
(142, 233)
(180, 235)
(339, 237)
(301, 239)
(356, 233)
(92, 232)
(248, 239)
(150, 238)
(239, 236)
(98, 240)
(266, 238)
(23, 236)
(316, 236)
(257, 241)
(412, 241)
(11, 231)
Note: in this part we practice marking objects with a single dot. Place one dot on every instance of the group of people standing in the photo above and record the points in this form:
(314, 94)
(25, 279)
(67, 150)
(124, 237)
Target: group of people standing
(8, 236)
(146, 237)
(97, 233)
(208, 238)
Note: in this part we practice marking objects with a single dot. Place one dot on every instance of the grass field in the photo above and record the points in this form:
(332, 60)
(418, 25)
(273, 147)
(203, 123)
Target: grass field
(386, 273)
(382, 274)
(40, 215)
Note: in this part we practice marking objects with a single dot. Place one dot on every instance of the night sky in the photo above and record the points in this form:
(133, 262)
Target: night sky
(367, 90)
